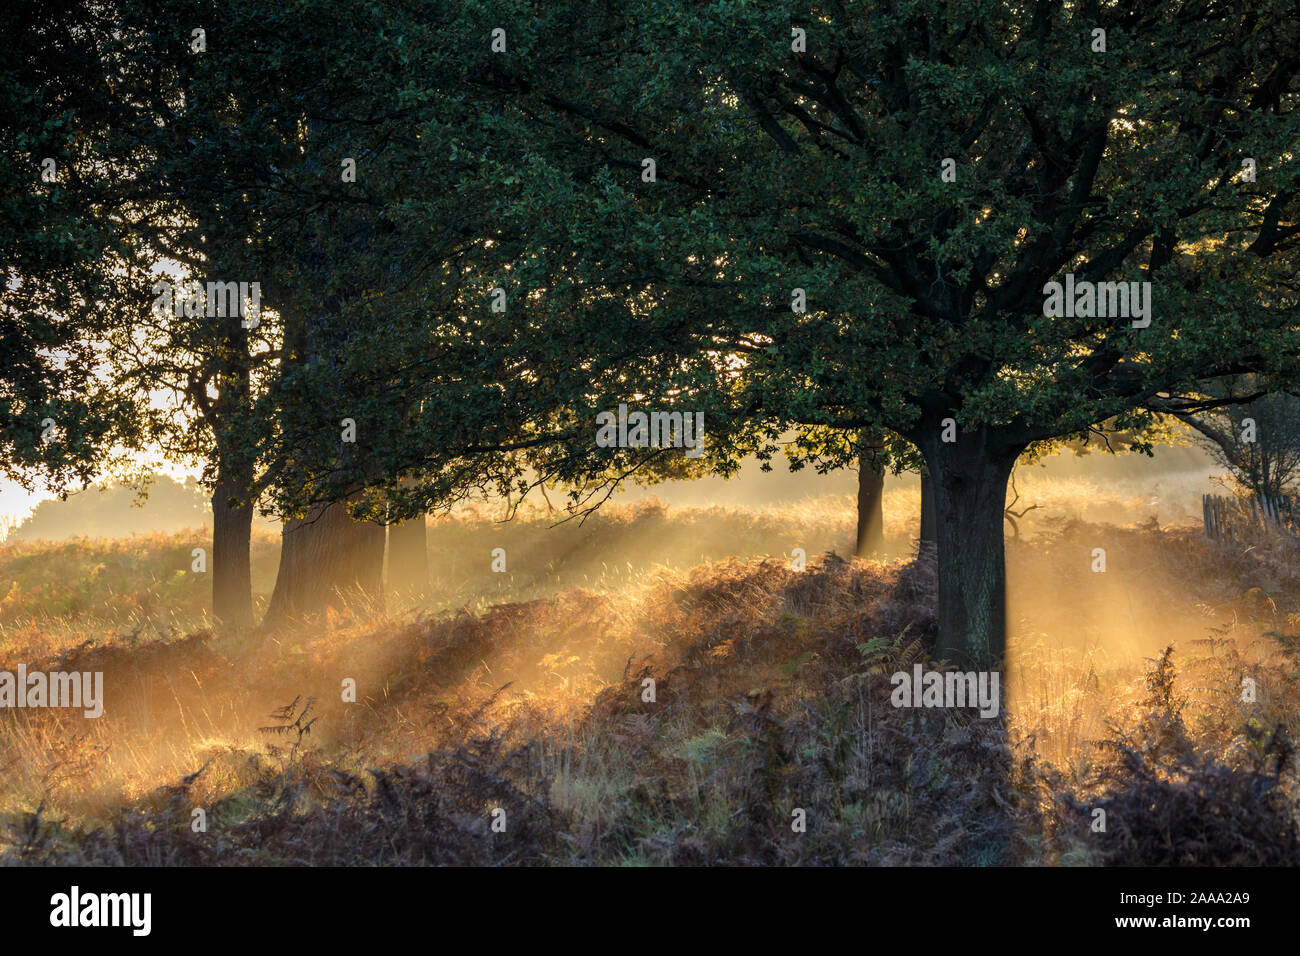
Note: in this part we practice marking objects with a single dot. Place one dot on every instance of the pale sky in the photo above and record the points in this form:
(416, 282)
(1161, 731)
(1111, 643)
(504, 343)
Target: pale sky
(16, 503)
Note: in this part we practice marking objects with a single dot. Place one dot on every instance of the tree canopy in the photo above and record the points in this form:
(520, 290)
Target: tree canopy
(981, 228)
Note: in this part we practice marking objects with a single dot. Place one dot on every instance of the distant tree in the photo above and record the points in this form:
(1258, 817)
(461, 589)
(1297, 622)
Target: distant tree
(1257, 441)
(871, 498)
(877, 452)
(118, 510)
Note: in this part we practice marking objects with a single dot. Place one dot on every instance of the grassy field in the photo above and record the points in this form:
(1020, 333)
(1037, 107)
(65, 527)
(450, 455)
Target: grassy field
(521, 698)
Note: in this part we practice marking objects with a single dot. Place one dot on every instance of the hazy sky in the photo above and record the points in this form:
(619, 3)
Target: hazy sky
(15, 502)
(755, 488)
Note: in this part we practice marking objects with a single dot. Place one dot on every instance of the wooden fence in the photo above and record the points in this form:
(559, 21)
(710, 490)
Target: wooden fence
(1250, 517)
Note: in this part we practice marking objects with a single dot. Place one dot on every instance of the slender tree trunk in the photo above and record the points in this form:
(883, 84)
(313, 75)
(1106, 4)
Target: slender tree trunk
(871, 515)
(326, 560)
(232, 495)
(408, 559)
(232, 531)
(928, 533)
(227, 415)
(970, 493)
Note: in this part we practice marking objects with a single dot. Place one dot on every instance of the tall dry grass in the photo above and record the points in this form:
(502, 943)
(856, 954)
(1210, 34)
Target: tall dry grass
(771, 696)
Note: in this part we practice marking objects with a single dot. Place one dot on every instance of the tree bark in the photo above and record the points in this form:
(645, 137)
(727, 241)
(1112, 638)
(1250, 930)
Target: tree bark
(232, 494)
(408, 559)
(928, 533)
(226, 414)
(970, 492)
(871, 515)
(326, 560)
(232, 532)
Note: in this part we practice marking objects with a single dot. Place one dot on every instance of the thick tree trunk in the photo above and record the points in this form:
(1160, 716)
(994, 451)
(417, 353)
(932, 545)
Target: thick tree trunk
(928, 533)
(326, 560)
(871, 515)
(408, 559)
(232, 530)
(970, 494)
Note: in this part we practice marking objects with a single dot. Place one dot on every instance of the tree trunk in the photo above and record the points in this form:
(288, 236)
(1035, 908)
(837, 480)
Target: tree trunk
(408, 559)
(326, 560)
(232, 532)
(871, 516)
(227, 415)
(970, 494)
(928, 533)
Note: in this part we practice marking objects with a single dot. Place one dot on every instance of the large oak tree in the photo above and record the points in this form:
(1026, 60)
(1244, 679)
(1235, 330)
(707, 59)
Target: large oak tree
(1160, 151)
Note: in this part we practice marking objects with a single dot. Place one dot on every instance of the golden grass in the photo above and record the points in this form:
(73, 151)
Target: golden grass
(771, 693)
